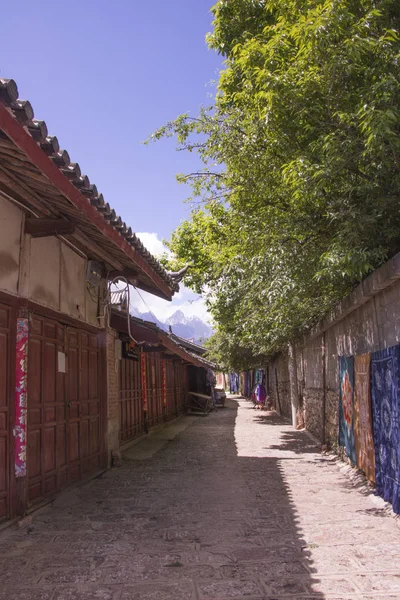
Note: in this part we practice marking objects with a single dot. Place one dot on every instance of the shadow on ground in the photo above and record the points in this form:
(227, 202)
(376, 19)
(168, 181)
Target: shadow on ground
(209, 516)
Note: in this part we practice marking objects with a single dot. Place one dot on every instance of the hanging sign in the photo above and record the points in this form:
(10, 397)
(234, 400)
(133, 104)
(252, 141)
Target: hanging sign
(130, 350)
(144, 384)
(164, 382)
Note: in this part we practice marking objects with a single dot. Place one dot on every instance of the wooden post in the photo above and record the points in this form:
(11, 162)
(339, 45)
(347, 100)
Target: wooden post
(294, 395)
(24, 262)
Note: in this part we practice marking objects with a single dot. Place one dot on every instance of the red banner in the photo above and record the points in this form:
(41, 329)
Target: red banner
(21, 393)
(144, 384)
(164, 382)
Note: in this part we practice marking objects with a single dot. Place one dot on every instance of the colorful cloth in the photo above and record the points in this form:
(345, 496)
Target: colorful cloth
(259, 394)
(21, 394)
(363, 433)
(246, 387)
(346, 406)
(385, 410)
(234, 383)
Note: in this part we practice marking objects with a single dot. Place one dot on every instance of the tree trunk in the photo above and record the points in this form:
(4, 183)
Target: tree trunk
(294, 395)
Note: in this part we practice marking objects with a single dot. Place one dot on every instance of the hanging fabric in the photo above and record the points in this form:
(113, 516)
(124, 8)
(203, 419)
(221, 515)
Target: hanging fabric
(386, 414)
(363, 433)
(234, 383)
(346, 406)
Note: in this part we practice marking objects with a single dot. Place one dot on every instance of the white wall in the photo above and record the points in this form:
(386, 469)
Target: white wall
(45, 270)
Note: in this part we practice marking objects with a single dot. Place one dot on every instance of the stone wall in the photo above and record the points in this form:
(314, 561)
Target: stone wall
(367, 320)
(279, 384)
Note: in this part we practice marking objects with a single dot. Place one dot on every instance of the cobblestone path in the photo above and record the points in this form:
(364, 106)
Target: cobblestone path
(237, 506)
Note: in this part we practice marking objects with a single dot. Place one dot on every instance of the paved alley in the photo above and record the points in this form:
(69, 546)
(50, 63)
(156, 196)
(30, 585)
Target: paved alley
(238, 505)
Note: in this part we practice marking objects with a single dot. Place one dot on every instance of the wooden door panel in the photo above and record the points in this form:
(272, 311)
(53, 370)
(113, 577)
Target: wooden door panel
(34, 372)
(49, 372)
(50, 484)
(46, 408)
(61, 445)
(93, 375)
(131, 400)
(84, 401)
(34, 463)
(3, 465)
(73, 441)
(3, 369)
(84, 439)
(64, 410)
(49, 444)
(154, 389)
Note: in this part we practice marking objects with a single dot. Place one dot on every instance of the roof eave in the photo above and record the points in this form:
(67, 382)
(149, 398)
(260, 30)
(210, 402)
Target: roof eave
(23, 140)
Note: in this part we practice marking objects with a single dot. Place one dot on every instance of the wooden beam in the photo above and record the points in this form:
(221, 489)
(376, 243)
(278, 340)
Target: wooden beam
(24, 194)
(48, 227)
(93, 250)
(129, 274)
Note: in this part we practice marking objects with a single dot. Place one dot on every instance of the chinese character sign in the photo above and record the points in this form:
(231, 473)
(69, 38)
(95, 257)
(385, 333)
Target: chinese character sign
(21, 397)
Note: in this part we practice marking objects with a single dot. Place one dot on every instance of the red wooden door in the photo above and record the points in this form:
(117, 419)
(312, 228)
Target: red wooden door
(130, 400)
(181, 387)
(5, 417)
(47, 414)
(171, 396)
(154, 390)
(84, 404)
(64, 410)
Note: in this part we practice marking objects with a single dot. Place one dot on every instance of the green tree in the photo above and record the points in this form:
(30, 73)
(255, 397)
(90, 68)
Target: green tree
(300, 181)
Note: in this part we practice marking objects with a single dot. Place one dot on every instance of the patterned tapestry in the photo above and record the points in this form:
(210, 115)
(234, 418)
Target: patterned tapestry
(386, 408)
(21, 370)
(363, 433)
(346, 406)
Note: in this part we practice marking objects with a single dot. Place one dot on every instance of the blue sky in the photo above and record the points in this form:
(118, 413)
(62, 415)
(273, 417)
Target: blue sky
(104, 75)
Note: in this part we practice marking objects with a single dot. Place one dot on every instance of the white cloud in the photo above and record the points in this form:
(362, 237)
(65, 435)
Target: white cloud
(152, 243)
(185, 300)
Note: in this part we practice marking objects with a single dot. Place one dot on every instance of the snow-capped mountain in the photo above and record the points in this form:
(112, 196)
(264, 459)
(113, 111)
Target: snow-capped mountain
(190, 328)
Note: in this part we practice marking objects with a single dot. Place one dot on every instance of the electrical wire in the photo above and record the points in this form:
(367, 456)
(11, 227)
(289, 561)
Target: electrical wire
(127, 289)
(150, 311)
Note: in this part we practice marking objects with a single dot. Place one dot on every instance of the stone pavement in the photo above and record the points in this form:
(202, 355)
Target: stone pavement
(238, 505)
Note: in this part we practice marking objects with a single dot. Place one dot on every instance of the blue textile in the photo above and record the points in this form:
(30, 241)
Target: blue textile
(385, 414)
(346, 406)
(234, 383)
(247, 386)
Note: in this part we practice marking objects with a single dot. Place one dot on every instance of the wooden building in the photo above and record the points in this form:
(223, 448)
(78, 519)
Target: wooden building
(60, 244)
(155, 374)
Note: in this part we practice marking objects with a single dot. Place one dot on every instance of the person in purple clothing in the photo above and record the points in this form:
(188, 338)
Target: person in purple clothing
(259, 396)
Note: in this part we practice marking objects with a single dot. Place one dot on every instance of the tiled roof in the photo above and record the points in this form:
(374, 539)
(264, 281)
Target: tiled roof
(197, 349)
(145, 331)
(22, 112)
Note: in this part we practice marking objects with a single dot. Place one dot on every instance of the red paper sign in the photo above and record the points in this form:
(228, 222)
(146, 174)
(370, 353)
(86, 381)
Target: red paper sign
(21, 393)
